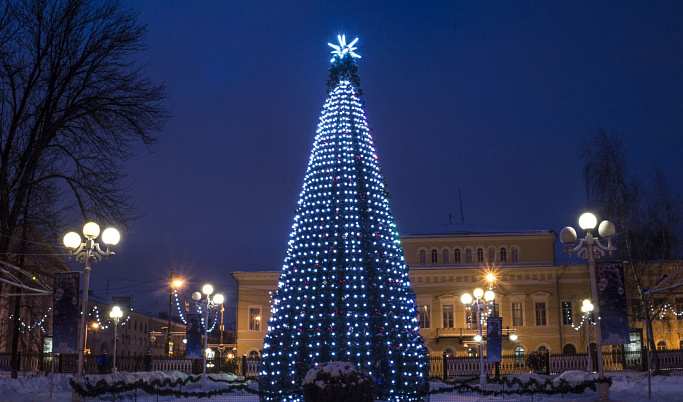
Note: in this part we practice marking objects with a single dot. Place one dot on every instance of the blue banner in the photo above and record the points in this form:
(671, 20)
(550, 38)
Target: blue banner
(494, 339)
(65, 311)
(193, 334)
(612, 296)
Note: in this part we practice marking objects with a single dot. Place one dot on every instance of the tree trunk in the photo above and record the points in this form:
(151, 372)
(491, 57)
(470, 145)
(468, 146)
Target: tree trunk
(14, 361)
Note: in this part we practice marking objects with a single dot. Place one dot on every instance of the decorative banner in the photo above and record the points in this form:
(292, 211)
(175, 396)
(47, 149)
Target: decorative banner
(193, 334)
(612, 296)
(494, 339)
(65, 312)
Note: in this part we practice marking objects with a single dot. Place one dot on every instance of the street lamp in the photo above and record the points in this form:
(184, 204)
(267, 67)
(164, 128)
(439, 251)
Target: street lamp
(587, 309)
(173, 284)
(88, 253)
(590, 248)
(208, 303)
(116, 314)
(95, 325)
(476, 304)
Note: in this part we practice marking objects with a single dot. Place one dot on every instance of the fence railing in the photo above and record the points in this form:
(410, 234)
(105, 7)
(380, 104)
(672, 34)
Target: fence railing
(439, 366)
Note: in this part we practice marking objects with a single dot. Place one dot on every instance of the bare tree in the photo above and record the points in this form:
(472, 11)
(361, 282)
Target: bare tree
(74, 104)
(648, 225)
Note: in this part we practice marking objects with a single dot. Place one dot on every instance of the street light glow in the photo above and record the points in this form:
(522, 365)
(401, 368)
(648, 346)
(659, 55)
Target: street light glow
(587, 221)
(91, 230)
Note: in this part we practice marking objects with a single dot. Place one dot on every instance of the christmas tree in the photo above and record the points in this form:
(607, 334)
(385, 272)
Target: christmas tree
(344, 292)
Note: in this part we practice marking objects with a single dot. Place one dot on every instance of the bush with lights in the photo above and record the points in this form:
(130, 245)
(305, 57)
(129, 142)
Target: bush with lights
(344, 292)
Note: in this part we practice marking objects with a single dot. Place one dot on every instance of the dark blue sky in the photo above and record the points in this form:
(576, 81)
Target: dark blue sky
(491, 99)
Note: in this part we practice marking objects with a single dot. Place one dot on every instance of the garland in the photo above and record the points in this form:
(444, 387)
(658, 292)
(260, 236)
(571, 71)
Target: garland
(154, 387)
(533, 386)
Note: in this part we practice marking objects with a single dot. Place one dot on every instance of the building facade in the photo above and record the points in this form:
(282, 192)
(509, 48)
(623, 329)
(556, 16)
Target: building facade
(538, 296)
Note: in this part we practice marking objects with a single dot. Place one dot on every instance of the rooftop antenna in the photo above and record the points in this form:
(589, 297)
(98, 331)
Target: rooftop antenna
(462, 216)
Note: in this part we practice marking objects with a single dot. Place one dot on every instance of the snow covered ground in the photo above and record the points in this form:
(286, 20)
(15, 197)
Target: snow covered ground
(626, 386)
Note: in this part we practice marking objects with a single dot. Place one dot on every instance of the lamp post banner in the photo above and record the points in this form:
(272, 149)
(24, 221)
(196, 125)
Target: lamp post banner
(193, 334)
(612, 296)
(494, 339)
(65, 312)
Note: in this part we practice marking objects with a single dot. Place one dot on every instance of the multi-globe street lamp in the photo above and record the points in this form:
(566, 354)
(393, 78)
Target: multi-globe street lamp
(173, 284)
(208, 304)
(590, 248)
(116, 315)
(479, 305)
(587, 309)
(88, 252)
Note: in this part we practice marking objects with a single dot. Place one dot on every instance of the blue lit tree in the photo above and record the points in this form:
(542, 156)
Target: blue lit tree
(344, 292)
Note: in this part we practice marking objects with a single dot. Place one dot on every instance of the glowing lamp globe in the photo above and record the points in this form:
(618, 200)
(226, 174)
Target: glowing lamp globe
(116, 312)
(177, 283)
(477, 338)
(72, 240)
(91, 230)
(588, 221)
(513, 337)
(478, 293)
(466, 298)
(489, 295)
(111, 236)
(207, 289)
(218, 299)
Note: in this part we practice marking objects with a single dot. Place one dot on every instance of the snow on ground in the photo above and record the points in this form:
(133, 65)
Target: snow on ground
(626, 386)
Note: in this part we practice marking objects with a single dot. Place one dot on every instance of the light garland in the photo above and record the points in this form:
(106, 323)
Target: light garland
(199, 310)
(24, 328)
(344, 292)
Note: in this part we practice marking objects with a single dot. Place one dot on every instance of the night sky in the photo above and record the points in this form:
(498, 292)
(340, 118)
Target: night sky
(492, 101)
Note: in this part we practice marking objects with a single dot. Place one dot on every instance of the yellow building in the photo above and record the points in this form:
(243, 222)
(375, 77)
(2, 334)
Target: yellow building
(538, 295)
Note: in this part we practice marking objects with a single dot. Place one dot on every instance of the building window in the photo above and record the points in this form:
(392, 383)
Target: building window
(423, 257)
(569, 349)
(517, 320)
(567, 313)
(448, 352)
(540, 313)
(435, 255)
(468, 255)
(254, 318)
(635, 310)
(423, 315)
(446, 257)
(503, 254)
(492, 255)
(519, 357)
(661, 345)
(542, 349)
(515, 254)
(480, 255)
(253, 354)
(448, 316)
(456, 255)
(471, 318)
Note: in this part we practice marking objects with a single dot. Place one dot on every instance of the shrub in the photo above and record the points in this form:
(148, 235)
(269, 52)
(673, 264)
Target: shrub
(535, 361)
(338, 382)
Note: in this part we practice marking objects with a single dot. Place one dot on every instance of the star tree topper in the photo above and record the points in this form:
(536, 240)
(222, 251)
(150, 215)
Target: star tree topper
(342, 49)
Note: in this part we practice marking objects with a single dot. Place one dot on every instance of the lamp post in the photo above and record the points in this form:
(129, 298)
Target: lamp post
(590, 248)
(587, 309)
(116, 314)
(208, 303)
(94, 326)
(88, 252)
(172, 284)
(476, 304)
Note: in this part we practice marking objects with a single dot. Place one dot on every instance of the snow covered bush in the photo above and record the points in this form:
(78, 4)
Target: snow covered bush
(338, 382)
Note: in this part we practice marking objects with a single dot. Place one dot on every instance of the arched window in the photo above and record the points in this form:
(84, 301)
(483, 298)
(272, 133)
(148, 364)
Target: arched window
(456, 255)
(661, 345)
(423, 256)
(569, 349)
(480, 255)
(253, 354)
(519, 356)
(542, 349)
(492, 255)
(449, 352)
(515, 254)
(503, 254)
(446, 257)
(468, 255)
(435, 256)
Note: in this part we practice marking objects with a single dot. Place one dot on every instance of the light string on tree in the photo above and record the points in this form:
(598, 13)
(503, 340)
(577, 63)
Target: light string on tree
(24, 327)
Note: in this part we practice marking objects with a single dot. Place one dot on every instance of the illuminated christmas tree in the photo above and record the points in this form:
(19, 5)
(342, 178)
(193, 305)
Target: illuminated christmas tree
(344, 292)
